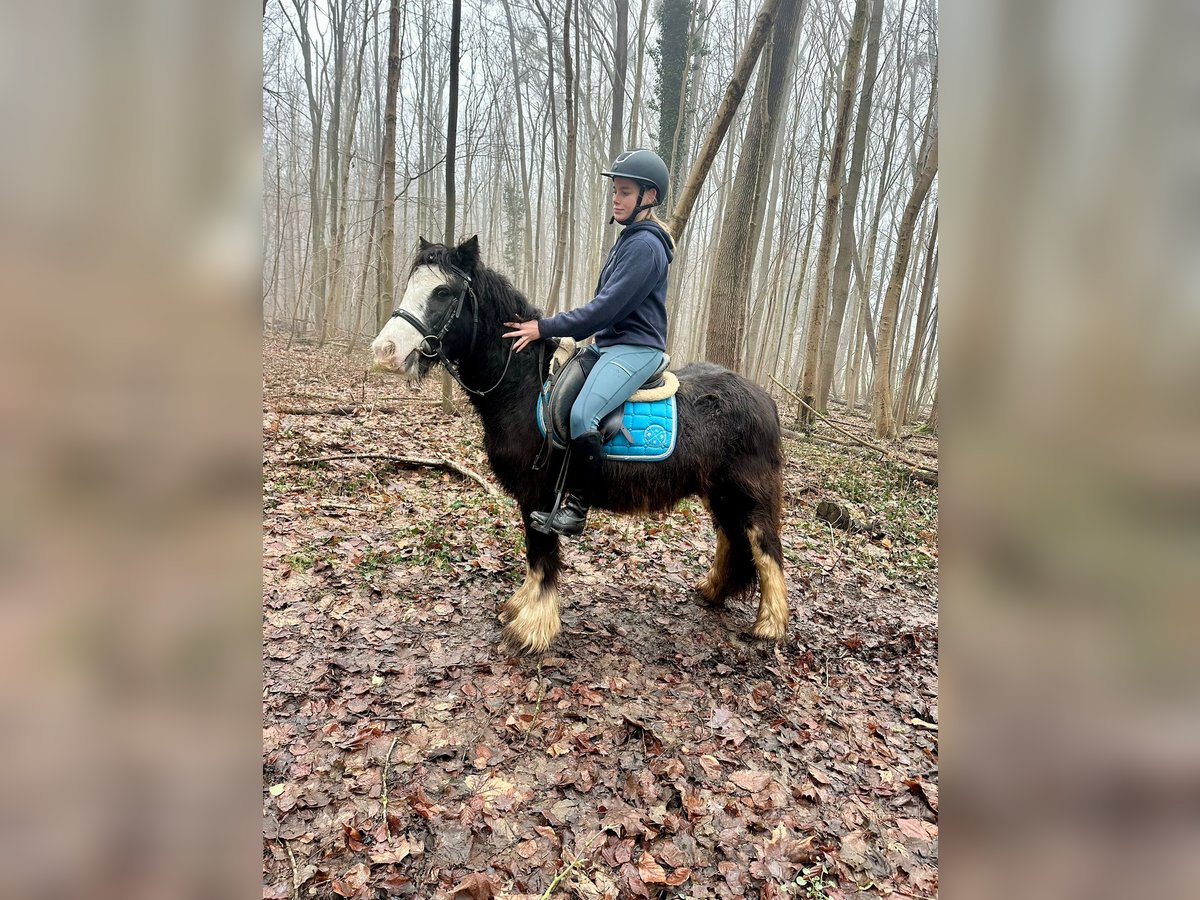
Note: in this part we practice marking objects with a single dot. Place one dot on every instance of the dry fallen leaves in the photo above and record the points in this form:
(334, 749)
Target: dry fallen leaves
(917, 829)
(651, 872)
(475, 886)
(380, 632)
(751, 780)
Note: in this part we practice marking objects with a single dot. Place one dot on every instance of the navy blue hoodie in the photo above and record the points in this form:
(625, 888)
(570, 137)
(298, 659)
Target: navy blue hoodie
(630, 306)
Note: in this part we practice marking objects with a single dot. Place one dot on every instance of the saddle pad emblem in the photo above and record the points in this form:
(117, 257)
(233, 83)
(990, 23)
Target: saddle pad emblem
(656, 436)
(648, 434)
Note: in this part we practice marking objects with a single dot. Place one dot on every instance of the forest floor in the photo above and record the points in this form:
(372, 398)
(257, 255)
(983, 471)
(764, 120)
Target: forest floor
(654, 751)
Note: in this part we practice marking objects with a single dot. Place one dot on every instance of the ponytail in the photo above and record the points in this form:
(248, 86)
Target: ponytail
(663, 225)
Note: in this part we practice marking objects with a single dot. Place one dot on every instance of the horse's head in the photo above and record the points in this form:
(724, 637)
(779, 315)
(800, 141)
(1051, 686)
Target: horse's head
(434, 310)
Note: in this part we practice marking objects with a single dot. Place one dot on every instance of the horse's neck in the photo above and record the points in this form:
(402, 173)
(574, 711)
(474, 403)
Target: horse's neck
(516, 380)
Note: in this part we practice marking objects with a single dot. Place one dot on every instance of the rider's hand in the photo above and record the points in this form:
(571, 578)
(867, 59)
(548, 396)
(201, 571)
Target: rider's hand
(525, 333)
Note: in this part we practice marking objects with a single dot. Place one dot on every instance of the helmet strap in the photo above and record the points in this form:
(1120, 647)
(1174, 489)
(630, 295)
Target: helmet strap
(637, 210)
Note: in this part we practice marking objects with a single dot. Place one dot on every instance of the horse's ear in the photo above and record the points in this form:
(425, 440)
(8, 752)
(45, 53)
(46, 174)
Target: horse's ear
(425, 245)
(468, 253)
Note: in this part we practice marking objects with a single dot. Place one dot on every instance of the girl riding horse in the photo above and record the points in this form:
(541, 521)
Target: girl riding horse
(628, 316)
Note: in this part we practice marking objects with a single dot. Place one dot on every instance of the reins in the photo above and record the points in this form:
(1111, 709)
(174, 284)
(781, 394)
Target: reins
(436, 351)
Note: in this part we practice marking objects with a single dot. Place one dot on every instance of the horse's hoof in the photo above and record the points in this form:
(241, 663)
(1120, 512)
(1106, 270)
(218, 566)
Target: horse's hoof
(519, 645)
(765, 634)
(708, 599)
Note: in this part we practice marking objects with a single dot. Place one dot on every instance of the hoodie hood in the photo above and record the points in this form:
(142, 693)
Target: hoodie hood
(658, 231)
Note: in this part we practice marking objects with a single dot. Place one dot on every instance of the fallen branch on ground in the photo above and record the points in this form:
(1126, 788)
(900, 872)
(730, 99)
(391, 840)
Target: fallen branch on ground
(915, 469)
(406, 461)
(569, 869)
(312, 411)
(331, 411)
(824, 438)
(387, 828)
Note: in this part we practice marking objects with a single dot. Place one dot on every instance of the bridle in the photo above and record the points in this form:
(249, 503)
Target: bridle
(435, 350)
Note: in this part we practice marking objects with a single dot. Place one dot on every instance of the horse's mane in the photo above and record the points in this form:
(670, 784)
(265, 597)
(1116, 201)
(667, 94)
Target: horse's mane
(501, 300)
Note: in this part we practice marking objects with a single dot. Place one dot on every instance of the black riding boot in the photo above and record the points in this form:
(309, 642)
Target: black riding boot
(570, 518)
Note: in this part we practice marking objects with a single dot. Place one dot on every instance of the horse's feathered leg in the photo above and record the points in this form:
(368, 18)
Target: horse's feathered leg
(715, 587)
(763, 524)
(771, 622)
(732, 571)
(530, 617)
(747, 513)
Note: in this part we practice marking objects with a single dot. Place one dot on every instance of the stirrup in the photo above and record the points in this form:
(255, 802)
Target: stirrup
(540, 521)
(571, 519)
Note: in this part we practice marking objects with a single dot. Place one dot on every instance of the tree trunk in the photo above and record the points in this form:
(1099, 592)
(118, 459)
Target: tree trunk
(740, 233)
(686, 198)
(908, 297)
(810, 230)
(674, 39)
(854, 359)
(362, 285)
(616, 131)
(448, 231)
(317, 253)
(338, 249)
(451, 152)
(904, 400)
(560, 244)
(846, 241)
(819, 299)
(881, 400)
(572, 79)
(927, 380)
(636, 107)
(387, 235)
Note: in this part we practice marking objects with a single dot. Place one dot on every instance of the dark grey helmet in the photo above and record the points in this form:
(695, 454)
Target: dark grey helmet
(643, 166)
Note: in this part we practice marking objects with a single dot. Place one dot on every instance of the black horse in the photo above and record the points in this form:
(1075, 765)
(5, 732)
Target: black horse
(728, 451)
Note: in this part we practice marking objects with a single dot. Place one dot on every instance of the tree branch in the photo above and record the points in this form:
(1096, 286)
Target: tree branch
(413, 461)
(916, 470)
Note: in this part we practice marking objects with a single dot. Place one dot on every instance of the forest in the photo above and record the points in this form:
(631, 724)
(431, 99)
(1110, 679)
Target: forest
(657, 749)
(823, 185)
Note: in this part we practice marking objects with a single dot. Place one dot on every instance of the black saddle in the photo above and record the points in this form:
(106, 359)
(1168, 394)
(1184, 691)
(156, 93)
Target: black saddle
(565, 384)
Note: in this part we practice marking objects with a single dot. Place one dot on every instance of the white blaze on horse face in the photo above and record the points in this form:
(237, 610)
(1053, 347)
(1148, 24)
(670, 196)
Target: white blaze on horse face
(397, 346)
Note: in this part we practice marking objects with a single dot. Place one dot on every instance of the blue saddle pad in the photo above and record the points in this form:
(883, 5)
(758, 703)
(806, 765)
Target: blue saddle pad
(648, 433)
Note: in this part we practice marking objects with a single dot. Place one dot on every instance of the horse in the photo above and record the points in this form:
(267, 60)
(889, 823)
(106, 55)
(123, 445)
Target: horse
(728, 450)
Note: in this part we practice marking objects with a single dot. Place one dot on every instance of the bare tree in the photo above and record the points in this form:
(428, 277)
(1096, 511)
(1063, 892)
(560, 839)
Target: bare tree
(905, 398)
(387, 237)
(846, 240)
(452, 121)
(639, 68)
(818, 303)
(739, 235)
(881, 400)
(338, 238)
(317, 249)
(519, 102)
(568, 181)
(451, 151)
(616, 130)
(682, 209)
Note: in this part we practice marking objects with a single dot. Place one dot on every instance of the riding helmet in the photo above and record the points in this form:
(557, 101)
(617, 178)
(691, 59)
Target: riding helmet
(643, 166)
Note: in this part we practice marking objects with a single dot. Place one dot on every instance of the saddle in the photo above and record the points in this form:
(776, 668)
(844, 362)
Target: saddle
(642, 429)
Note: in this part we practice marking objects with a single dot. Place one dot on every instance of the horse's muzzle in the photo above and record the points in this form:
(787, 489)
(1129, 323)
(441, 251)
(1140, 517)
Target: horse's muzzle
(385, 358)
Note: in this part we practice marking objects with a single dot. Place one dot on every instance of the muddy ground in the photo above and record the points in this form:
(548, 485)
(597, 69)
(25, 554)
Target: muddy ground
(655, 751)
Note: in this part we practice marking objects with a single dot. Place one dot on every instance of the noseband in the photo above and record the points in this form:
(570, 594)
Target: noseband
(434, 350)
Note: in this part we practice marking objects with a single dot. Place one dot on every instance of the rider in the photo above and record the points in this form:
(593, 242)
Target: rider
(628, 316)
